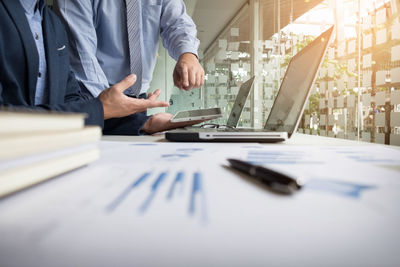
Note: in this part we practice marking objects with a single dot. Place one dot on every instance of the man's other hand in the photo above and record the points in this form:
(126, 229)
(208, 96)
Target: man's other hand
(116, 104)
(162, 122)
(188, 73)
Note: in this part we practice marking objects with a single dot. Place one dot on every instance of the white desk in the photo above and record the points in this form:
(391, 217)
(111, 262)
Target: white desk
(93, 216)
(297, 139)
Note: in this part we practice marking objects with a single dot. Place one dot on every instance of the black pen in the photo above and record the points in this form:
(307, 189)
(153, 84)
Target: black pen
(277, 181)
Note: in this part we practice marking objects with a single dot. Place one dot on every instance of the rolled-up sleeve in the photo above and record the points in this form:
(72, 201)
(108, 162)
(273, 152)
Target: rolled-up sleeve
(78, 17)
(178, 31)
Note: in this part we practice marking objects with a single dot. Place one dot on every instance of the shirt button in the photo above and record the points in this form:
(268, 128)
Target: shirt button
(39, 74)
(36, 36)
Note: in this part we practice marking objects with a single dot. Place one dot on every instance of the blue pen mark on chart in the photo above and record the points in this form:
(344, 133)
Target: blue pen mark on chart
(126, 192)
(153, 191)
(194, 197)
(177, 181)
(174, 157)
(180, 154)
(144, 144)
(279, 157)
(252, 147)
(368, 158)
(196, 188)
(197, 198)
(189, 150)
(345, 189)
(371, 159)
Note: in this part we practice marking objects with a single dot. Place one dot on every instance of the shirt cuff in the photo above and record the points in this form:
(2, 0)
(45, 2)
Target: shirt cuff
(95, 115)
(130, 125)
(94, 89)
(182, 49)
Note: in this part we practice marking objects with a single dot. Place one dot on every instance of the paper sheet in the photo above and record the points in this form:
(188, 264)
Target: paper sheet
(381, 36)
(234, 31)
(235, 67)
(367, 41)
(233, 46)
(340, 102)
(366, 81)
(211, 67)
(395, 75)
(331, 70)
(322, 87)
(366, 100)
(340, 84)
(395, 97)
(367, 61)
(351, 65)
(170, 204)
(222, 43)
(235, 55)
(396, 31)
(322, 72)
(351, 47)
(380, 16)
(395, 53)
(331, 86)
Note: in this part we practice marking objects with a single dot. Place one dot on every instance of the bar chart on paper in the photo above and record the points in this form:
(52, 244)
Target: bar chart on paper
(167, 153)
(166, 187)
(292, 158)
(280, 157)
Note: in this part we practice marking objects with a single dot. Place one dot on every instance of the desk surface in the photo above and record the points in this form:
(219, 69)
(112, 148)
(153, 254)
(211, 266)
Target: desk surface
(297, 139)
(147, 202)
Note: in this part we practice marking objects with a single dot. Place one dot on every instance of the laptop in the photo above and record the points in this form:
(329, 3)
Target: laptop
(236, 111)
(240, 101)
(214, 113)
(287, 109)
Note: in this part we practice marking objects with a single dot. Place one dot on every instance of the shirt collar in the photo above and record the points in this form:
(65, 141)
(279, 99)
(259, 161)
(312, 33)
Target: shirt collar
(30, 5)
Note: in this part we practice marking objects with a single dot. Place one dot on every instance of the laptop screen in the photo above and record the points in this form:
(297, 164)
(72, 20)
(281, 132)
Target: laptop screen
(240, 102)
(296, 84)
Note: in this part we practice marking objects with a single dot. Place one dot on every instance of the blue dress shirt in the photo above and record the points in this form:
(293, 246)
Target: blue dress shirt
(33, 11)
(99, 39)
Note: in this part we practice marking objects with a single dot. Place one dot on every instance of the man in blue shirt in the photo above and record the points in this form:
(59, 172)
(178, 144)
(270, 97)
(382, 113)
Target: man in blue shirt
(100, 41)
(33, 12)
(35, 73)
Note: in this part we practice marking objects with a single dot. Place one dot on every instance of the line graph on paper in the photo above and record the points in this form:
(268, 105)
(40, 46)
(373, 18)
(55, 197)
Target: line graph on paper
(167, 186)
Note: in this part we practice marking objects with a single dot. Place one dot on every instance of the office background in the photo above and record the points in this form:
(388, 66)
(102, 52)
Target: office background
(357, 93)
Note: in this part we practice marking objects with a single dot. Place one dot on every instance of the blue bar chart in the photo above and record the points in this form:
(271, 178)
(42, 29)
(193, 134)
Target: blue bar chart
(180, 154)
(114, 204)
(154, 188)
(339, 188)
(174, 183)
(279, 157)
(178, 181)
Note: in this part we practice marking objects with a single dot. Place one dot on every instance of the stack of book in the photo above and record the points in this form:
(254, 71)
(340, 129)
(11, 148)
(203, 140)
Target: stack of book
(36, 146)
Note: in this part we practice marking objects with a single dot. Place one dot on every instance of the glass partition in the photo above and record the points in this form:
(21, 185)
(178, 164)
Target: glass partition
(357, 92)
(227, 66)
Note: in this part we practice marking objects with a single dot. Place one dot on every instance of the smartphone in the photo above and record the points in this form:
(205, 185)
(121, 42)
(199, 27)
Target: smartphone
(199, 114)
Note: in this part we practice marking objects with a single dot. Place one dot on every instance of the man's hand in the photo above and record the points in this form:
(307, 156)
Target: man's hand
(188, 73)
(117, 105)
(162, 122)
